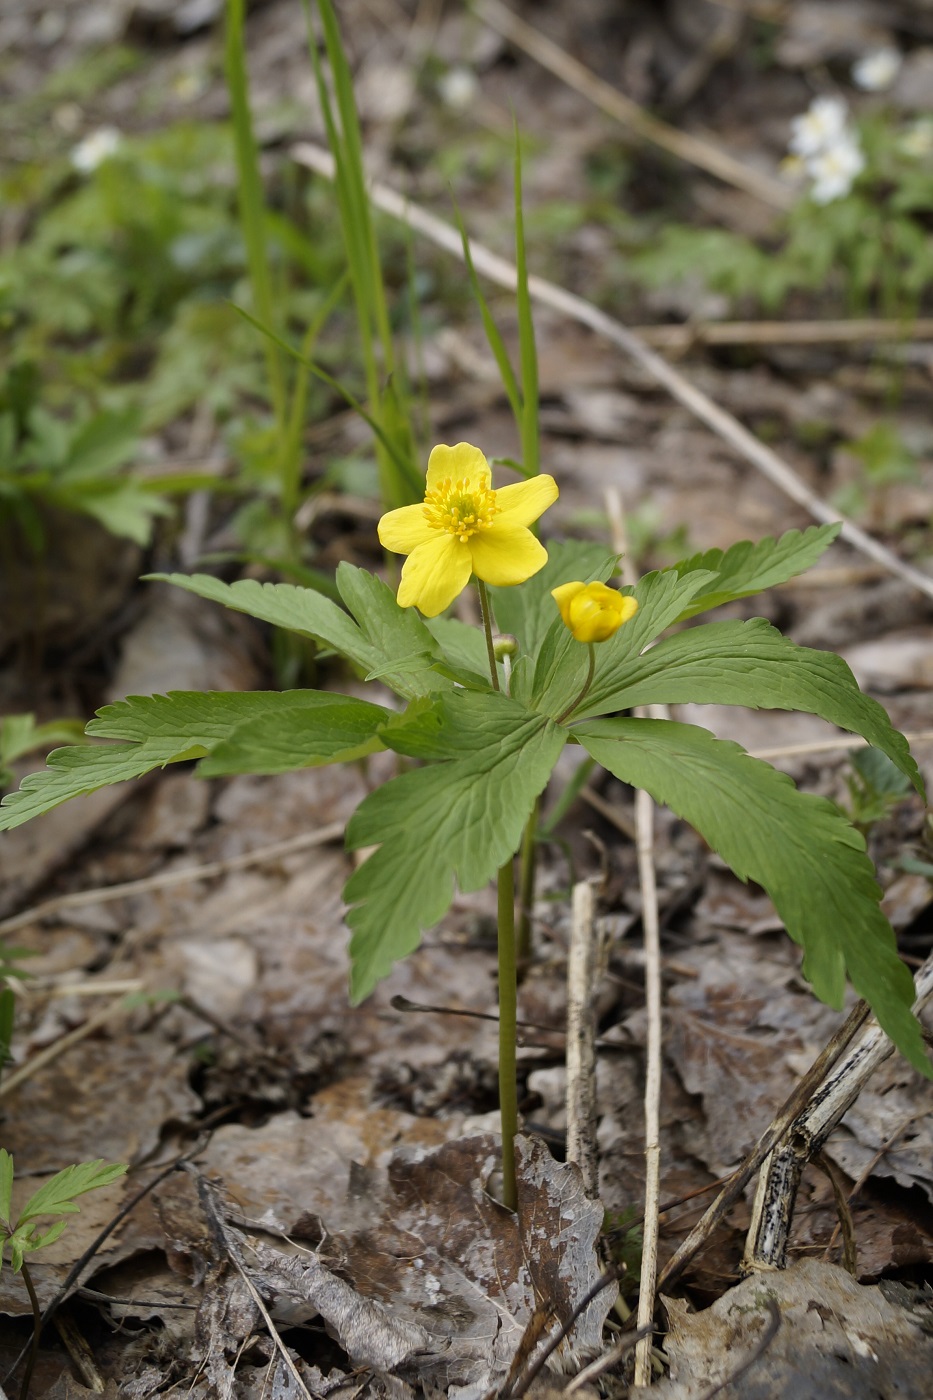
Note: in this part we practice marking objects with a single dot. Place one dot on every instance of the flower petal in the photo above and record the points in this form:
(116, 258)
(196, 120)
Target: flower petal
(564, 595)
(462, 461)
(434, 573)
(404, 529)
(523, 502)
(506, 554)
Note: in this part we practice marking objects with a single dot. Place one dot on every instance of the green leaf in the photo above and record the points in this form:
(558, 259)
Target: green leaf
(747, 568)
(392, 633)
(157, 730)
(335, 729)
(527, 611)
(6, 1186)
(798, 847)
(57, 1196)
(312, 615)
(74, 772)
(753, 664)
(462, 647)
(562, 661)
(458, 820)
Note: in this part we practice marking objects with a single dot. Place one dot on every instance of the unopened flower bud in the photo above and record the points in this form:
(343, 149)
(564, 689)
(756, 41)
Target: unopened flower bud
(592, 611)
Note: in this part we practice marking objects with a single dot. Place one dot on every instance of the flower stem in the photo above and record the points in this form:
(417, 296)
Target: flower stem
(508, 1015)
(486, 610)
(526, 889)
(575, 704)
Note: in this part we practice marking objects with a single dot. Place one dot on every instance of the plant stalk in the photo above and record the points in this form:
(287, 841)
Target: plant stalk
(487, 628)
(526, 888)
(36, 1331)
(508, 1028)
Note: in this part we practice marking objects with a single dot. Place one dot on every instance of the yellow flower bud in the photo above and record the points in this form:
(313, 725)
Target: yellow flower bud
(592, 611)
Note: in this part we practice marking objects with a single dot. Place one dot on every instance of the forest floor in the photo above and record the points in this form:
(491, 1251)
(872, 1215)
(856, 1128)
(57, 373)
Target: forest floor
(187, 991)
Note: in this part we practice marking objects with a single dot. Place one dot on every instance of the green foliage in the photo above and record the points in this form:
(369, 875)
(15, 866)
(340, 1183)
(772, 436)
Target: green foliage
(56, 1197)
(20, 735)
(798, 847)
(483, 756)
(401, 480)
(76, 466)
(876, 784)
(311, 727)
(459, 819)
(869, 248)
(748, 568)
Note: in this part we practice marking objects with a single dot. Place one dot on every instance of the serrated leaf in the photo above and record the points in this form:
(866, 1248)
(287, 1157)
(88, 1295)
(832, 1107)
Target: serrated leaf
(753, 664)
(746, 568)
(797, 846)
(73, 772)
(562, 661)
(37, 1239)
(57, 1196)
(458, 820)
(161, 729)
(337, 729)
(392, 633)
(310, 614)
(6, 1185)
(283, 605)
(527, 611)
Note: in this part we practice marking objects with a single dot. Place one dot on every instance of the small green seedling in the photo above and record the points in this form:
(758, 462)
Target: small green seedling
(23, 1235)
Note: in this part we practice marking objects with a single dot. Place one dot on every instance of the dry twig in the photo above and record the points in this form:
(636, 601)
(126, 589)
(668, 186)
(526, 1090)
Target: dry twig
(802, 1138)
(698, 152)
(582, 970)
(166, 878)
(851, 332)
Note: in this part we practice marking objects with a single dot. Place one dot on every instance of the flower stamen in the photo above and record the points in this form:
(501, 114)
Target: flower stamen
(460, 507)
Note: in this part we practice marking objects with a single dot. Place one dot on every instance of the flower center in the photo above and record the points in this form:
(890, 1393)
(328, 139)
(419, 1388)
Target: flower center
(460, 507)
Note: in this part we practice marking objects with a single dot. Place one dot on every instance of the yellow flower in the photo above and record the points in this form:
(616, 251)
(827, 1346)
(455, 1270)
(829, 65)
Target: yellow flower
(592, 611)
(465, 527)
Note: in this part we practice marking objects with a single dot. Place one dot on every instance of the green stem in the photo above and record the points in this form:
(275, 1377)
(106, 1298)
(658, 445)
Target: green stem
(486, 610)
(526, 889)
(508, 1019)
(36, 1331)
(575, 704)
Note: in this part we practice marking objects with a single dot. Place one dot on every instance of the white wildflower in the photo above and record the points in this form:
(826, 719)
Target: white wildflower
(99, 146)
(458, 88)
(820, 127)
(917, 140)
(876, 71)
(833, 170)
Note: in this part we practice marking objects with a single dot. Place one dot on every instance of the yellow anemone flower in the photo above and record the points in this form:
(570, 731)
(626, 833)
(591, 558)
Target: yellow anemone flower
(592, 611)
(464, 527)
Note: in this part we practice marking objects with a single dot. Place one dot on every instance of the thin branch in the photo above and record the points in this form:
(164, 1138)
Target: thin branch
(58, 1047)
(651, 927)
(850, 332)
(230, 1248)
(720, 422)
(582, 969)
(801, 1095)
(827, 1101)
(701, 153)
(644, 825)
(167, 878)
